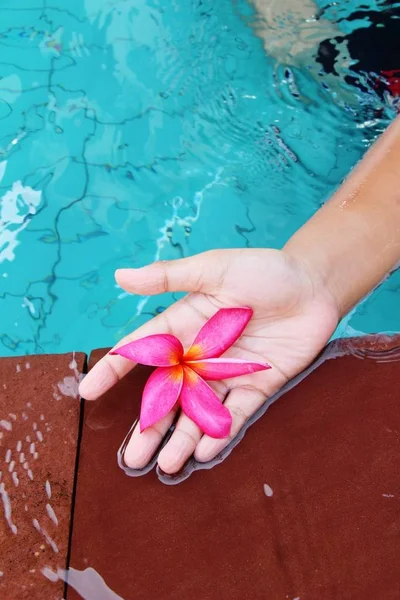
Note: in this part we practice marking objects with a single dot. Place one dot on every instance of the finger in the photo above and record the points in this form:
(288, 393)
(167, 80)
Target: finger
(142, 446)
(242, 403)
(111, 368)
(184, 274)
(180, 447)
(198, 273)
(184, 439)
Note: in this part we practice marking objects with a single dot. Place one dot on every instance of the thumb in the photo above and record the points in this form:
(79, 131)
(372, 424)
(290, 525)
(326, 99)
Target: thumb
(199, 273)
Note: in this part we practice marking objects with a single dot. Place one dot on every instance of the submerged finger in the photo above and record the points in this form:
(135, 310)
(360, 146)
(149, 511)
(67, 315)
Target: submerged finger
(142, 446)
(184, 440)
(180, 447)
(242, 403)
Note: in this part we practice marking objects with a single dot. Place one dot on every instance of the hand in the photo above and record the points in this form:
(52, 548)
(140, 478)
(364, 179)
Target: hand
(294, 317)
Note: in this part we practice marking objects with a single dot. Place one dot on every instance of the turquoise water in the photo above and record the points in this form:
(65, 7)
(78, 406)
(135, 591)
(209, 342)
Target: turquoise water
(134, 130)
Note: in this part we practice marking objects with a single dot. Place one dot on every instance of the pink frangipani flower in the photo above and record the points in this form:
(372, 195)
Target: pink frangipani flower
(180, 375)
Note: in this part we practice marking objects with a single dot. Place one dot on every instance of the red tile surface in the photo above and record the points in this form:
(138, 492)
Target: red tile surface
(39, 419)
(328, 451)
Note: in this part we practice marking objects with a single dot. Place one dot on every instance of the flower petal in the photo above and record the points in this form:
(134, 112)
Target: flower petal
(200, 403)
(225, 368)
(160, 394)
(219, 333)
(159, 350)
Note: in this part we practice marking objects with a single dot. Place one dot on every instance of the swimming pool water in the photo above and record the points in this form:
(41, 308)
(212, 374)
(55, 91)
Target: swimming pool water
(134, 130)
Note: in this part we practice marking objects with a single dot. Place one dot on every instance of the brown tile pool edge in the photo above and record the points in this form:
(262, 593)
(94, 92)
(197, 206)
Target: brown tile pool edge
(40, 420)
(306, 505)
(376, 347)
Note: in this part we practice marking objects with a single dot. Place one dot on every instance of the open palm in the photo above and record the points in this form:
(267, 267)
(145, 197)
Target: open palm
(293, 318)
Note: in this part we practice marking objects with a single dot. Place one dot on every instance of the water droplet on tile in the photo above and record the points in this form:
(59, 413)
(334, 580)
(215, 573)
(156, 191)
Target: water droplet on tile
(7, 508)
(52, 515)
(46, 536)
(268, 491)
(48, 489)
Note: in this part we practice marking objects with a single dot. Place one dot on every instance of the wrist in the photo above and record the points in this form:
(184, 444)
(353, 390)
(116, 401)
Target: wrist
(315, 277)
(324, 261)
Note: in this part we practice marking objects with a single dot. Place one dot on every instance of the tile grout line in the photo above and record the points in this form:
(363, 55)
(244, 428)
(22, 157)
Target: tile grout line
(75, 481)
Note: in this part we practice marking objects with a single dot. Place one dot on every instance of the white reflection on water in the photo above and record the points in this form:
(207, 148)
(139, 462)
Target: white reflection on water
(88, 583)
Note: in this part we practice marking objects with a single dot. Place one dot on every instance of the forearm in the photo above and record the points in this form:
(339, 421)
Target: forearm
(353, 241)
